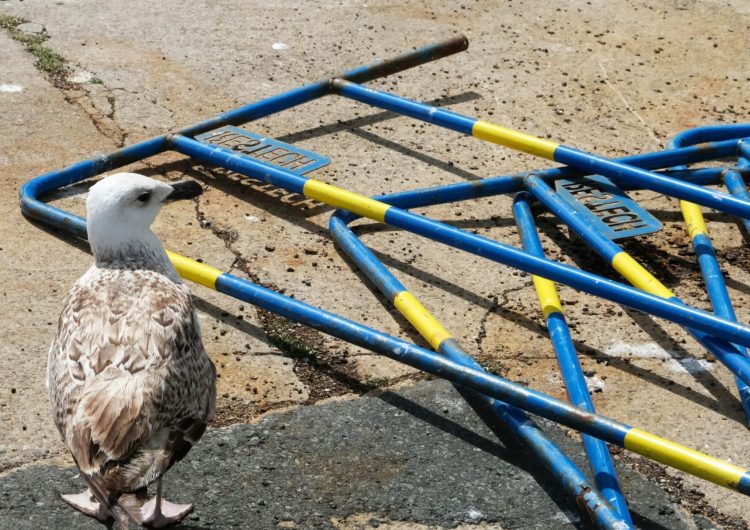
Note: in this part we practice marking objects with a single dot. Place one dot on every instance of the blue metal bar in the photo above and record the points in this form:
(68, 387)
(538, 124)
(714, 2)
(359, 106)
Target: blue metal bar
(574, 482)
(600, 460)
(312, 91)
(720, 301)
(488, 187)
(566, 155)
(253, 111)
(704, 249)
(727, 353)
(744, 149)
(480, 381)
(736, 186)
(652, 181)
(743, 164)
(711, 133)
(584, 281)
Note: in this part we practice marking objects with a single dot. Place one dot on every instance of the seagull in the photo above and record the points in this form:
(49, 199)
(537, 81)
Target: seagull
(130, 385)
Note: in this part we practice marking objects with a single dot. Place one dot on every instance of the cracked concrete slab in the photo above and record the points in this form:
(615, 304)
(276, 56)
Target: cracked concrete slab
(567, 73)
(42, 132)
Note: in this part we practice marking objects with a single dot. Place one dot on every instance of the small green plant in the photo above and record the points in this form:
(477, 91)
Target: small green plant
(96, 81)
(11, 22)
(46, 60)
(376, 382)
(281, 334)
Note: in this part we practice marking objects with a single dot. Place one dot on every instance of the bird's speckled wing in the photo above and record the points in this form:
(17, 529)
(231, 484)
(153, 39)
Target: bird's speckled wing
(127, 370)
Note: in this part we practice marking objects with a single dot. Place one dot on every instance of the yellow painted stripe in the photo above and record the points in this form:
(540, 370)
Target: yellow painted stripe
(684, 458)
(519, 141)
(547, 294)
(693, 218)
(421, 319)
(194, 271)
(339, 198)
(638, 276)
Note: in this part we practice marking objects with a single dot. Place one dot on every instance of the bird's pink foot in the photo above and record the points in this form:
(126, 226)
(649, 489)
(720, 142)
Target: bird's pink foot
(86, 503)
(168, 513)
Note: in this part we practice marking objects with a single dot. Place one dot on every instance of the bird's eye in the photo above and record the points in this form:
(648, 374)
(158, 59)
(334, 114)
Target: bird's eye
(144, 197)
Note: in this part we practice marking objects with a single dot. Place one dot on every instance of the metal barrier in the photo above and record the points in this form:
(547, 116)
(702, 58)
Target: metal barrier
(599, 458)
(719, 332)
(696, 226)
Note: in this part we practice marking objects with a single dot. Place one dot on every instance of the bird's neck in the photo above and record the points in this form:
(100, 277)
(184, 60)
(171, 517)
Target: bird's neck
(139, 251)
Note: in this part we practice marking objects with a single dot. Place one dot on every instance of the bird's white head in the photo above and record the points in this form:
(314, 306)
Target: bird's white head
(120, 210)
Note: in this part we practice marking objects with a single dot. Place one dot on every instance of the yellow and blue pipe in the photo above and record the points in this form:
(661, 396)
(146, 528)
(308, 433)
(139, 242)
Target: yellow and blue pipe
(600, 460)
(724, 350)
(631, 438)
(704, 249)
(620, 172)
(660, 306)
(598, 505)
(733, 176)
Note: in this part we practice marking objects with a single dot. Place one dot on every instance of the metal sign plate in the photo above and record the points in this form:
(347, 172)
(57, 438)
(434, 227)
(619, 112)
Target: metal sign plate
(267, 150)
(607, 207)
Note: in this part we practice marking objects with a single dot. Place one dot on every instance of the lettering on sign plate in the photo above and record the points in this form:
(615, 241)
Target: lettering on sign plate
(269, 151)
(607, 207)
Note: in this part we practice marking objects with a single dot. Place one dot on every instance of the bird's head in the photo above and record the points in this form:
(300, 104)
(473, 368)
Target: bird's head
(121, 208)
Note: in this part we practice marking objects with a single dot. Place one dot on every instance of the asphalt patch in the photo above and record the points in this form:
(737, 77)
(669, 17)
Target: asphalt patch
(419, 454)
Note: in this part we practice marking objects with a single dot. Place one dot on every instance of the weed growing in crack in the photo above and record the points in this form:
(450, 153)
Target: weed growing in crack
(281, 333)
(376, 382)
(47, 60)
(11, 22)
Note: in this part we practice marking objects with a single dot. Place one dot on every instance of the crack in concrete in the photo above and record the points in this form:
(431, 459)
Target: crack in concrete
(105, 123)
(152, 100)
(498, 301)
(482, 334)
(628, 106)
(325, 372)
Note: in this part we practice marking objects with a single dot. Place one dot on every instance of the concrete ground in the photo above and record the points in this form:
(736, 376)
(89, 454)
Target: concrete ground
(613, 78)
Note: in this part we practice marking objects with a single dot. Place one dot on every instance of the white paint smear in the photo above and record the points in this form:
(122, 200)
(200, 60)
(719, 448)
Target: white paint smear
(648, 350)
(279, 46)
(10, 88)
(80, 77)
(651, 350)
(594, 384)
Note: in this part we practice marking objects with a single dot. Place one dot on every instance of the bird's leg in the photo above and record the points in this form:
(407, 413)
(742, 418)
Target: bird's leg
(86, 503)
(96, 502)
(158, 512)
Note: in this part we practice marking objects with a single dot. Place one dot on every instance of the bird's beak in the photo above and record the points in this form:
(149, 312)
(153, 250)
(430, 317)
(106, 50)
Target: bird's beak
(187, 189)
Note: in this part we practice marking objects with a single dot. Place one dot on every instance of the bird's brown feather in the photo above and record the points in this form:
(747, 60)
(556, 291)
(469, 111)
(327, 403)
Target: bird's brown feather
(129, 381)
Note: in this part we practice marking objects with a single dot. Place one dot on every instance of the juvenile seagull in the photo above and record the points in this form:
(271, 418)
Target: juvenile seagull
(130, 384)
